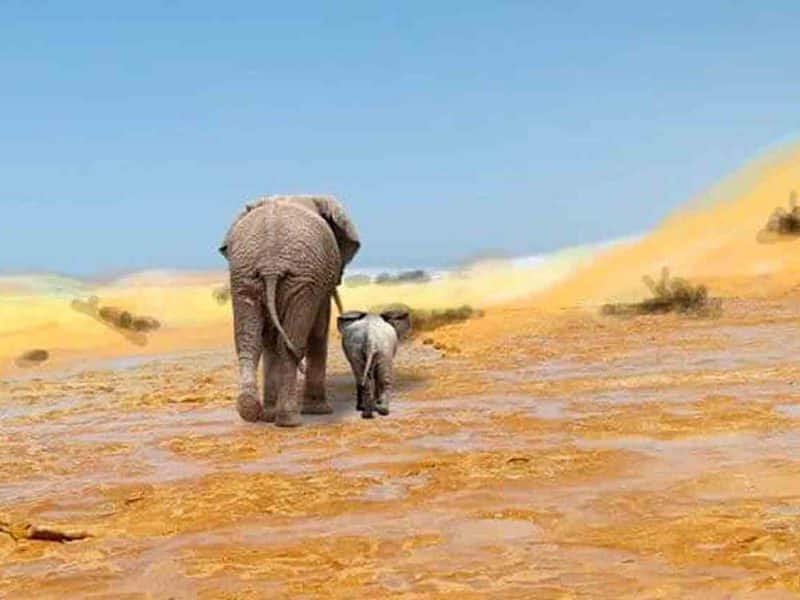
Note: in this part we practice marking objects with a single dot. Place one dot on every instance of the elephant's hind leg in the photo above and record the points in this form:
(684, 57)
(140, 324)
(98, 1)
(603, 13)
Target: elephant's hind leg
(271, 371)
(314, 399)
(248, 323)
(300, 314)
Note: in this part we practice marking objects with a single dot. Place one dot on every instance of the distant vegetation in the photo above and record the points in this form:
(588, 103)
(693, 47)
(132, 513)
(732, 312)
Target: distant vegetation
(357, 280)
(413, 276)
(669, 295)
(423, 320)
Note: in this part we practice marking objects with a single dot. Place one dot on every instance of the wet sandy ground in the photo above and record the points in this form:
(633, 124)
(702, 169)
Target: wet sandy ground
(535, 456)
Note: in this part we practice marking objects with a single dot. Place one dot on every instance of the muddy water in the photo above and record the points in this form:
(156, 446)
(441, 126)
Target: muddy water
(648, 458)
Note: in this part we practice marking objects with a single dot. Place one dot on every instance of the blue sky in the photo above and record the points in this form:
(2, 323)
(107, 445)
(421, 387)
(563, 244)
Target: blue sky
(130, 136)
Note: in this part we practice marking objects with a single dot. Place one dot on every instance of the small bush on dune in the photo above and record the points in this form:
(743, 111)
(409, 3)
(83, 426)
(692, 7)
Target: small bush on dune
(126, 320)
(222, 294)
(669, 295)
(144, 324)
(115, 316)
(785, 222)
(427, 320)
(32, 357)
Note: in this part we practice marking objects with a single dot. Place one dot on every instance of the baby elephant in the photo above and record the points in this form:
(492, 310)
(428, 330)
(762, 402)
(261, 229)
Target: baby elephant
(370, 343)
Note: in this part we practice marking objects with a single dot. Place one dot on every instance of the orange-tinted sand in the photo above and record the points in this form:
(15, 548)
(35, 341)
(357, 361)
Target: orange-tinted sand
(541, 451)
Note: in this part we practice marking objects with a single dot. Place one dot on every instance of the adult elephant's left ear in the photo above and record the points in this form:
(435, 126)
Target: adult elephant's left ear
(333, 212)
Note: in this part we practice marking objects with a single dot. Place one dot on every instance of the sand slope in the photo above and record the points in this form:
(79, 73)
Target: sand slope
(715, 239)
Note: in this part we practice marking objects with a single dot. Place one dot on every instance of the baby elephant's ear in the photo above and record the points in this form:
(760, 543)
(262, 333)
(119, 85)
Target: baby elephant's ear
(351, 316)
(400, 320)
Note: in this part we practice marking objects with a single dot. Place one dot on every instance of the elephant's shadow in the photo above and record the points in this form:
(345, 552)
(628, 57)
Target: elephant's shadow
(341, 391)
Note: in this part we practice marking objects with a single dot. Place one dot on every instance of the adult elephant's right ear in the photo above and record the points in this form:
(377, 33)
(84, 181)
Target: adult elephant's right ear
(343, 228)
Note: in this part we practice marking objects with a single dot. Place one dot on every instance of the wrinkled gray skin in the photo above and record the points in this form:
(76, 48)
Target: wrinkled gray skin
(286, 255)
(370, 343)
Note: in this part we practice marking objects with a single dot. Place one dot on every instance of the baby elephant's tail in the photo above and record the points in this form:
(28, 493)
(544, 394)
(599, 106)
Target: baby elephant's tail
(368, 364)
(368, 383)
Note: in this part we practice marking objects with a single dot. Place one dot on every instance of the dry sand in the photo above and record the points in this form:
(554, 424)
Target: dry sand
(541, 452)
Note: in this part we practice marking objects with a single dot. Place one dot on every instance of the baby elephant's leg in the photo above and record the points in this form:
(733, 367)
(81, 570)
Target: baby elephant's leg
(384, 381)
(368, 398)
(359, 397)
(357, 365)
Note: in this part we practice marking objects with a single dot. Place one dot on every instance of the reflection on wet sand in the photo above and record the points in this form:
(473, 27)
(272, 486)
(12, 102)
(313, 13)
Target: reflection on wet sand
(647, 458)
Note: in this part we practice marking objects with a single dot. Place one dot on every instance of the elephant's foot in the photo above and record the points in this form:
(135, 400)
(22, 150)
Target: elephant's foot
(249, 407)
(367, 414)
(268, 414)
(315, 403)
(287, 419)
(316, 407)
(382, 406)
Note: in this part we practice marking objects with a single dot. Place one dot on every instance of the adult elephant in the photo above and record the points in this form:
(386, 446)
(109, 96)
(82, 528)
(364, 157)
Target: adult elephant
(286, 255)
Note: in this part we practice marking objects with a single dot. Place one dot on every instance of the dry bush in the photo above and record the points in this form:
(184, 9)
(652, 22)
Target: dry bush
(144, 324)
(32, 357)
(427, 320)
(115, 316)
(669, 295)
(785, 222)
(222, 294)
(126, 320)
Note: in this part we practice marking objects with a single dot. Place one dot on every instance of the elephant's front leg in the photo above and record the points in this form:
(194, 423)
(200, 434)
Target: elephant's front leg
(315, 401)
(248, 323)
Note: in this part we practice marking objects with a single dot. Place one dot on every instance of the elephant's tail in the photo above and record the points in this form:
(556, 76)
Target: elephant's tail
(338, 300)
(271, 283)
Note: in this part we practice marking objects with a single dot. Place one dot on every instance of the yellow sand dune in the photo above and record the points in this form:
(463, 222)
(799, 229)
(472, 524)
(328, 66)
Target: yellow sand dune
(715, 240)
(38, 313)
